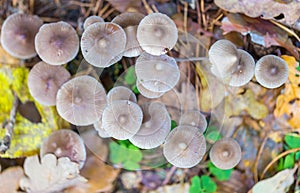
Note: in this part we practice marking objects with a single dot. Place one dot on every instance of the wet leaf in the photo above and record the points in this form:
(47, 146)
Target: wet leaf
(10, 178)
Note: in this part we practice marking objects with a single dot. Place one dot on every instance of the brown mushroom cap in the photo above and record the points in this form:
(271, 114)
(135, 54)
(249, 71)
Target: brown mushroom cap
(120, 93)
(147, 93)
(57, 43)
(155, 128)
(185, 146)
(65, 143)
(91, 20)
(101, 131)
(157, 73)
(17, 35)
(194, 118)
(81, 100)
(225, 153)
(271, 71)
(122, 119)
(157, 33)
(44, 80)
(103, 44)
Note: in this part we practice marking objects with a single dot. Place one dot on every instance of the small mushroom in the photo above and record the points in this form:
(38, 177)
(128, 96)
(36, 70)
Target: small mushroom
(120, 93)
(271, 71)
(184, 147)
(148, 93)
(157, 33)
(155, 128)
(18, 33)
(103, 44)
(44, 80)
(157, 73)
(91, 20)
(81, 100)
(101, 131)
(122, 119)
(65, 143)
(225, 153)
(57, 43)
(194, 118)
(129, 21)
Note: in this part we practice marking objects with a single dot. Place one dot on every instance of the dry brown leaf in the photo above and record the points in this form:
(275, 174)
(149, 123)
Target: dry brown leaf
(174, 188)
(268, 9)
(10, 178)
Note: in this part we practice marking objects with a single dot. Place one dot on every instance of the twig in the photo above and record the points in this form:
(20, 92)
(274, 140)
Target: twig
(169, 175)
(258, 157)
(9, 126)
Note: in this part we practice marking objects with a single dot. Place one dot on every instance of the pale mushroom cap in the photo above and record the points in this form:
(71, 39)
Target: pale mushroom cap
(65, 143)
(103, 44)
(91, 20)
(81, 100)
(157, 73)
(243, 72)
(147, 93)
(120, 93)
(271, 71)
(194, 118)
(185, 146)
(57, 43)
(155, 128)
(18, 33)
(225, 153)
(157, 33)
(101, 131)
(122, 119)
(44, 80)
(128, 19)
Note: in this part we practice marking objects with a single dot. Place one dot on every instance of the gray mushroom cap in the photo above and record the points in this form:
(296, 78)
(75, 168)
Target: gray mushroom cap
(120, 93)
(99, 128)
(147, 93)
(194, 118)
(91, 20)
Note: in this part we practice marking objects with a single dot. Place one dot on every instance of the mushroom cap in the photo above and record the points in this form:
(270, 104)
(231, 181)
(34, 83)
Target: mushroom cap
(122, 119)
(65, 143)
(82, 95)
(157, 33)
(101, 131)
(128, 19)
(91, 20)
(44, 80)
(155, 128)
(18, 33)
(185, 146)
(57, 43)
(148, 93)
(120, 93)
(271, 71)
(103, 44)
(243, 72)
(225, 153)
(194, 118)
(223, 55)
(157, 73)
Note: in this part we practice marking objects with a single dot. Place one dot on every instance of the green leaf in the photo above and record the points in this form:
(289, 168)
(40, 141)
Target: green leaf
(117, 153)
(195, 185)
(208, 185)
(131, 165)
(292, 140)
(289, 161)
(221, 175)
(135, 89)
(213, 136)
(173, 124)
(298, 67)
(130, 77)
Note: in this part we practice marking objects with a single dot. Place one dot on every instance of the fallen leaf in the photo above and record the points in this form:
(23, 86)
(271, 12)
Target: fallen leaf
(6, 59)
(10, 178)
(50, 174)
(123, 6)
(130, 180)
(174, 188)
(237, 183)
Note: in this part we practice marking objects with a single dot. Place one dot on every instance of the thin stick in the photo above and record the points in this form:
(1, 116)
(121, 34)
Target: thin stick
(190, 59)
(257, 158)
(169, 175)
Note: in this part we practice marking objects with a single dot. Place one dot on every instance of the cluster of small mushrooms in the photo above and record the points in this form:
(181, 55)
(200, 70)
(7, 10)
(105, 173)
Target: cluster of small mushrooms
(82, 100)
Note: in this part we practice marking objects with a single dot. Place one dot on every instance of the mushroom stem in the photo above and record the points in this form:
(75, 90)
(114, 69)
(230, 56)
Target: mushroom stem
(9, 126)
(191, 59)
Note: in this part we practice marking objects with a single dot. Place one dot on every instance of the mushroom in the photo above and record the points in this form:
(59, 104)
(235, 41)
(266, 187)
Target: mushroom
(120, 93)
(17, 35)
(44, 80)
(91, 20)
(81, 100)
(225, 153)
(122, 119)
(101, 131)
(157, 73)
(155, 128)
(185, 146)
(157, 33)
(194, 118)
(57, 43)
(148, 93)
(103, 44)
(129, 21)
(271, 71)
(65, 143)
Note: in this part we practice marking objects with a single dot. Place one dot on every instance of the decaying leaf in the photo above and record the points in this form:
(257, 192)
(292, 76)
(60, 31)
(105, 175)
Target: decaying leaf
(262, 32)
(50, 174)
(10, 178)
(288, 103)
(268, 9)
(175, 188)
(276, 184)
